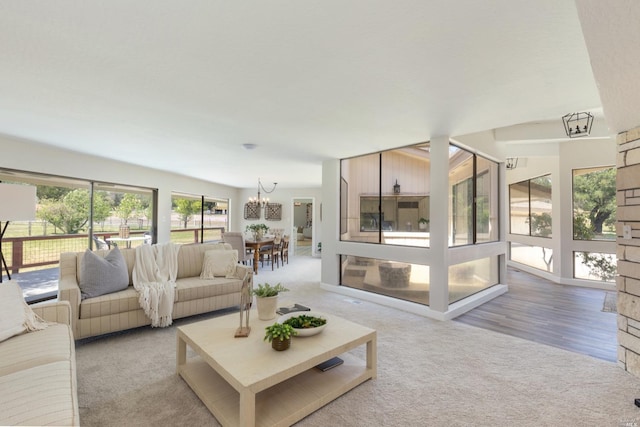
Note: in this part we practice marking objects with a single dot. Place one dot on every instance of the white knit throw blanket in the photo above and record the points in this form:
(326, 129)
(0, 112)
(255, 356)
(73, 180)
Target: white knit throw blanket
(154, 277)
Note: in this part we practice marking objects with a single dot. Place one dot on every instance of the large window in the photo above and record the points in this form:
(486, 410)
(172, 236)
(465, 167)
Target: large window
(534, 256)
(197, 218)
(71, 216)
(119, 207)
(595, 266)
(594, 217)
(530, 207)
(594, 204)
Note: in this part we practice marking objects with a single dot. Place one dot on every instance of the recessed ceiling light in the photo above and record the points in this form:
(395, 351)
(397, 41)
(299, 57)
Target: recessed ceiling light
(249, 146)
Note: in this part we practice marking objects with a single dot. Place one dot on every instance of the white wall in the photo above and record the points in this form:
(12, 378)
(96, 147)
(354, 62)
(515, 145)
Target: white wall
(286, 197)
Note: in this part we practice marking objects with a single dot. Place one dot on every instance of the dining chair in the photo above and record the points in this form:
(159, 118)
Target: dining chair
(284, 252)
(236, 240)
(271, 253)
(100, 244)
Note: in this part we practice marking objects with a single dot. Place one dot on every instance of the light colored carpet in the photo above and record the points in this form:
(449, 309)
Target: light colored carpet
(430, 373)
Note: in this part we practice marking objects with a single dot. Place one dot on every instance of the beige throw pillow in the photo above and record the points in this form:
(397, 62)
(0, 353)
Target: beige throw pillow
(219, 263)
(16, 316)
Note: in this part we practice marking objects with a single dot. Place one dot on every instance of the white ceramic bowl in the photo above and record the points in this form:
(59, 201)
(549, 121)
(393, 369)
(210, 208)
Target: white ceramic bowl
(305, 332)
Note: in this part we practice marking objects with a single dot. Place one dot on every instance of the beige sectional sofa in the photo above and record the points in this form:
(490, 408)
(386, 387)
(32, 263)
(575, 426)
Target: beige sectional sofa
(38, 372)
(121, 310)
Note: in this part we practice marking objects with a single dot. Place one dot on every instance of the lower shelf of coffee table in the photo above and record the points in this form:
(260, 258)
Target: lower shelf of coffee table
(282, 404)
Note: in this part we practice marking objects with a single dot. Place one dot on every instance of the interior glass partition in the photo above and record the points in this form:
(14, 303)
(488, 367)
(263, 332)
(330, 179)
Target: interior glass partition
(468, 278)
(461, 166)
(487, 207)
(360, 176)
(384, 197)
(400, 280)
(473, 198)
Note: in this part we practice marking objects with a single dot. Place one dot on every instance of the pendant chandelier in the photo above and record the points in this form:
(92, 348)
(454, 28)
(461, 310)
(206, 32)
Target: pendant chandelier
(253, 207)
(577, 124)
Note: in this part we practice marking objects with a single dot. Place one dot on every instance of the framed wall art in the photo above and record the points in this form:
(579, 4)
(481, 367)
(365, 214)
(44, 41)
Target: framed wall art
(273, 211)
(251, 211)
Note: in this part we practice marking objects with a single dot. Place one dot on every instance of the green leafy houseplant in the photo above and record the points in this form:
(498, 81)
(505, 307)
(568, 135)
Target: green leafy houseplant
(267, 290)
(279, 331)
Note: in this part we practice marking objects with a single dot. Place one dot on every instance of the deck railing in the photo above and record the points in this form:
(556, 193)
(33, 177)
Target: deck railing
(28, 253)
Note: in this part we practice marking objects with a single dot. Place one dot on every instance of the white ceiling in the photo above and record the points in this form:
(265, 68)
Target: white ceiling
(181, 85)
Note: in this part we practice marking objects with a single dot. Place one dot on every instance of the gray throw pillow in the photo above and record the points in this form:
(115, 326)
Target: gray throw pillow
(99, 276)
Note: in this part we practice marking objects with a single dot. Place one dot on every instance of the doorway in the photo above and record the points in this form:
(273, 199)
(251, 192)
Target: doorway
(302, 233)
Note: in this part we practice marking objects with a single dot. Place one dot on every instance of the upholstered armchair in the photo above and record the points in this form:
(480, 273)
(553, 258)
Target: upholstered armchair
(236, 240)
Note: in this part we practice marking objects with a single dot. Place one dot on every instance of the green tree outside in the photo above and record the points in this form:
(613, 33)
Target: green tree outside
(71, 214)
(186, 208)
(129, 206)
(594, 195)
(51, 192)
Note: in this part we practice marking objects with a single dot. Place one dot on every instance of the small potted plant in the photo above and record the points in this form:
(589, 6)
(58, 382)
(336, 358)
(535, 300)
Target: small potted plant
(423, 223)
(267, 299)
(279, 335)
(257, 230)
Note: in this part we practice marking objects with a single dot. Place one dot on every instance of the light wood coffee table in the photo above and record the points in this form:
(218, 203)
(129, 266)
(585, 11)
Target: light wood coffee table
(244, 382)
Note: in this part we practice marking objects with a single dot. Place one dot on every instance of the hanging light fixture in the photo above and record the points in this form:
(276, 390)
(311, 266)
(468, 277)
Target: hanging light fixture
(253, 206)
(577, 124)
(511, 163)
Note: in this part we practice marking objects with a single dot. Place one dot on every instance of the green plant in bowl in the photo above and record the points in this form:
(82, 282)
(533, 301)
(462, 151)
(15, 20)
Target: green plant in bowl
(306, 324)
(303, 321)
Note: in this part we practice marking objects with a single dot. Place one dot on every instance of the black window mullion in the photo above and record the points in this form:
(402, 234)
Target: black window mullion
(380, 198)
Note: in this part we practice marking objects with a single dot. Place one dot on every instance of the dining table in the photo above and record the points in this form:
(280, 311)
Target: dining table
(255, 245)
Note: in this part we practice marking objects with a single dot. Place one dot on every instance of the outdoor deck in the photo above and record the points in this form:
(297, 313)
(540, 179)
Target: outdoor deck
(37, 285)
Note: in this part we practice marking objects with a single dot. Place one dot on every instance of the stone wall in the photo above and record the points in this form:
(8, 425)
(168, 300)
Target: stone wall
(628, 250)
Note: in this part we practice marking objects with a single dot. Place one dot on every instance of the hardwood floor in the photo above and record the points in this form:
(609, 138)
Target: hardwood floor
(567, 317)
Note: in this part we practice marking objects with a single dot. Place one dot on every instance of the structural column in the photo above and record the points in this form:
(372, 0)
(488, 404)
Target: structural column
(628, 250)
(439, 225)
